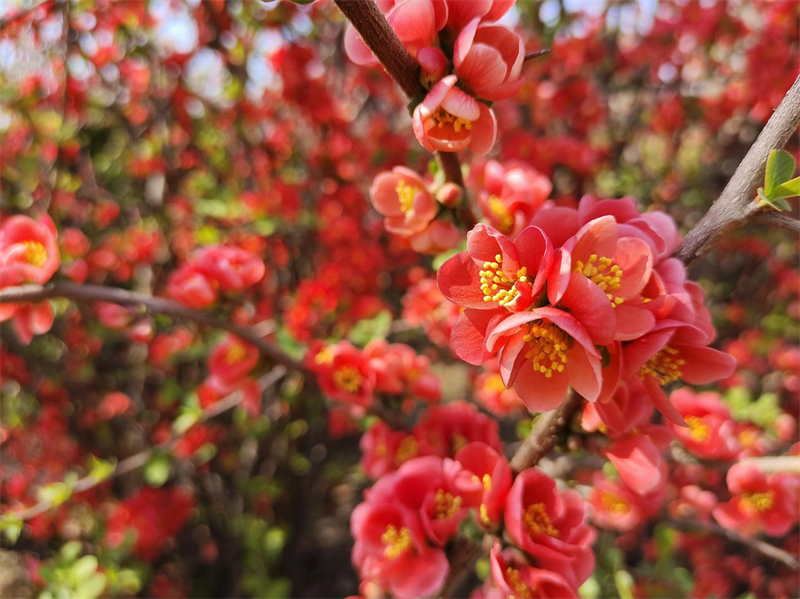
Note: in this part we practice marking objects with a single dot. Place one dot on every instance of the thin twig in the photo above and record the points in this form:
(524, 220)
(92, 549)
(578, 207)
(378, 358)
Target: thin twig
(777, 220)
(757, 545)
(537, 54)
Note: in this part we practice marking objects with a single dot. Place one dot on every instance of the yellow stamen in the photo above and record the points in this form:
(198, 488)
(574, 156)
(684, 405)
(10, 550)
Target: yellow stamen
(406, 194)
(406, 450)
(348, 379)
(604, 273)
(396, 541)
(324, 357)
(35, 253)
(496, 286)
(447, 505)
(441, 118)
(613, 502)
(498, 208)
(520, 589)
(698, 429)
(547, 348)
(537, 520)
(234, 354)
(761, 502)
(664, 367)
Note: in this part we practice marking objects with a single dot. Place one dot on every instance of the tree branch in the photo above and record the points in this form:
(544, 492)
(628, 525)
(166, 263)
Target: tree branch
(777, 220)
(736, 206)
(381, 39)
(93, 293)
(752, 543)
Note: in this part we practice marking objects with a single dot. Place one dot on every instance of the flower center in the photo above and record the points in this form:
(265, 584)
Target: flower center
(441, 118)
(234, 354)
(396, 541)
(406, 450)
(325, 356)
(548, 348)
(496, 286)
(406, 194)
(698, 429)
(613, 502)
(664, 367)
(447, 505)
(536, 520)
(521, 590)
(761, 502)
(604, 273)
(35, 253)
(498, 208)
(348, 379)
(495, 384)
(485, 479)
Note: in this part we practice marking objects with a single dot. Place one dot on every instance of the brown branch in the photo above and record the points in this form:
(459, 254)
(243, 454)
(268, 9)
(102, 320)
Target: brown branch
(92, 293)
(537, 54)
(381, 39)
(777, 220)
(138, 460)
(735, 206)
(544, 433)
(752, 543)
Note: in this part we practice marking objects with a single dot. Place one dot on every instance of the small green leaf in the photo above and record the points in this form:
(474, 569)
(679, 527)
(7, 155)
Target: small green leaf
(624, 582)
(157, 471)
(93, 587)
(101, 469)
(11, 528)
(83, 568)
(789, 189)
(54, 493)
(780, 168)
(367, 329)
(186, 420)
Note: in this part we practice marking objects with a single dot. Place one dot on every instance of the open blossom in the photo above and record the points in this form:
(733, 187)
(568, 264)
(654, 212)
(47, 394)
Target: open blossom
(512, 193)
(232, 359)
(492, 393)
(342, 373)
(232, 268)
(517, 579)
(615, 506)
(192, 287)
(484, 483)
(439, 237)
(488, 59)
(549, 525)
(450, 120)
(403, 198)
(449, 427)
(760, 502)
(397, 369)
(711, 432)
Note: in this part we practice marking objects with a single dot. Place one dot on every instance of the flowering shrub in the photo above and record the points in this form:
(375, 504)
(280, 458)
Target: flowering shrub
(410, 298)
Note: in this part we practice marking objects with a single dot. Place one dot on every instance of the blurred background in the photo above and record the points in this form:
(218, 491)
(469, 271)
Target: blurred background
(148, 129)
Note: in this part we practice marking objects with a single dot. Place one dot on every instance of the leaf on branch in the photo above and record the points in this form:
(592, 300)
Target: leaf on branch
(789, 189)
(780, 168)
(101, 469)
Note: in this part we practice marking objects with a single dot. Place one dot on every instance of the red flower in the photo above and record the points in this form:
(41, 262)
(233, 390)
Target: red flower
(711, 433)
(519, 580)
(232, 359)
(450, 120)
(550, 526)
(513, 192)
(28, 250)
(403, 198)
(760, 502)
(342, 373)
(231, 267)
(192, 287)
(486, 481)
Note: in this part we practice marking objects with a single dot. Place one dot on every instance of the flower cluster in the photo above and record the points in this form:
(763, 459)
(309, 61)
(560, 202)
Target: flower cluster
(582, 298)
(467, 60)
(226, 269)
(229, 366)
(352, 376)
(409, 515)
(28, 254)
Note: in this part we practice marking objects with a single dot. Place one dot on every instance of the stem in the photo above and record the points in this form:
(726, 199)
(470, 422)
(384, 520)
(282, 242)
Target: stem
(736, 206)
(381, 39)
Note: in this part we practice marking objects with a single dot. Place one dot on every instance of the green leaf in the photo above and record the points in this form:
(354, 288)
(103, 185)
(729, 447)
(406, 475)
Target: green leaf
(624, 582)
(186, 420)
(789, 189)
(778, 204)
(101, 469)
(11, 528)
(83, 568)
(780, 168)
(93, 587)
(157, 471)
(55, 493)
(367, 329)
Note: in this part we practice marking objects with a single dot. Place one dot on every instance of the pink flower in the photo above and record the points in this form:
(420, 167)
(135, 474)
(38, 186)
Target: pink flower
(488, 59)
(492, 393)
(232, 359)
(711, 432)
(519, 580)
(403, 198)
(449, 427)
(439, 237)
(760, 502)
(549, 525)
(391, 550)
(192, 287)
(614, 506)
(461, 13)
(397, 369)
(637, 458)
(383, 449)
(513, 192)
(231, 267)
(416, 23)
(28, 250)
(29, 319)
(449, 120)
(486, 481)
